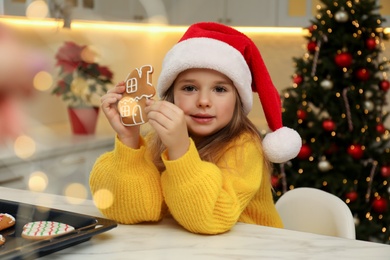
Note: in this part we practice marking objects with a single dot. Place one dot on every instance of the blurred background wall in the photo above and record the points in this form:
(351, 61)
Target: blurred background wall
(125, 49)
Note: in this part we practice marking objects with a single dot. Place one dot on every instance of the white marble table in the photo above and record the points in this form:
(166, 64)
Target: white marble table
(167, 240)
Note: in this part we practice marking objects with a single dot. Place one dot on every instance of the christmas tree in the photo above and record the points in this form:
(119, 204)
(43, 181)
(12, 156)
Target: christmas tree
(337, 103)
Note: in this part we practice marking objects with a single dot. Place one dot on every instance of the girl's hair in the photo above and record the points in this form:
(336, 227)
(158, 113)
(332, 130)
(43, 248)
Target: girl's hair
(211, 147)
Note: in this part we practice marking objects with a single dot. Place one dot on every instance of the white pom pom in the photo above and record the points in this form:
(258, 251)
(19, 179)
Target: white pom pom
(282, 145)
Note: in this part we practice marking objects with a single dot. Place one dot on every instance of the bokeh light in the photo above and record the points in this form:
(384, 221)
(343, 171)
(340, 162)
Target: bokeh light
(37, 9)
(43, 81)
(75, 193)
(38, 181)
(24, 146)
(103, 199)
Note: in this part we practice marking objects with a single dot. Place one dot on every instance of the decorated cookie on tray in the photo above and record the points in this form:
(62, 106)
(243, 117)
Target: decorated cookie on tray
(6, 221)
(139, 88)
(39, 230)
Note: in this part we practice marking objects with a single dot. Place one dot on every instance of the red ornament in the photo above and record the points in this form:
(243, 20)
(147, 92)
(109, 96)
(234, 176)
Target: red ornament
(355, 151)
(385, 171)
(379, 205)
(297, 79)
(301, 114)
(328, 125)
(384, 85)
(275, 181)
(362, 74)
(343, 59)
(380, 128)
(311, 28)
(352, 196)
(305, 152)
(371, 43)
(311, 46)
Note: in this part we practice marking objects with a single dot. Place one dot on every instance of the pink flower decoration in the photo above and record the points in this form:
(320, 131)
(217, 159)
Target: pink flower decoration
(69, 56)
(105, 72)
(74, 69)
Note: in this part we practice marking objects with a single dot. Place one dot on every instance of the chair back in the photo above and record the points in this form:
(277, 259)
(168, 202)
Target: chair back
(316, 211)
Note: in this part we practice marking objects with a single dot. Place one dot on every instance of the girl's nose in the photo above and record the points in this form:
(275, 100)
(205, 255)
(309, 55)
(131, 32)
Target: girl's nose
(204, 99)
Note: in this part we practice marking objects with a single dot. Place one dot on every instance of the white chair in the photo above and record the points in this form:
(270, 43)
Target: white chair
(316, 211)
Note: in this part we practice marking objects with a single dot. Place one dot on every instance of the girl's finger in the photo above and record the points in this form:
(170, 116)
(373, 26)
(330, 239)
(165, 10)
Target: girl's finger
(108, 101)
(119, 88)
(120, 83)
(113, 97)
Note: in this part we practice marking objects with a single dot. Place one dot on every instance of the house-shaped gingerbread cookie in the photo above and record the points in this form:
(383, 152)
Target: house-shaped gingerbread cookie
(138, 88)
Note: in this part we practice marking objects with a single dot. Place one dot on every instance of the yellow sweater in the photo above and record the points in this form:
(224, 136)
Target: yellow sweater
(203, 197)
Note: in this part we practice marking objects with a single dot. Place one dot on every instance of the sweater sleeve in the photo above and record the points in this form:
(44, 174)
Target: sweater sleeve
(208, 198)
(126, 185)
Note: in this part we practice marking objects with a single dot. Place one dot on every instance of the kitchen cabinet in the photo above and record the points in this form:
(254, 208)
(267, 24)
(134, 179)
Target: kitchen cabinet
(385, 11)
(12, 176)
(57, 168)
(185, 12)
(299, 13)
(282, 13)
(295, 13)
(118, 10)
(72, 168)
(9, 7)
(251, 12)
(231, 12)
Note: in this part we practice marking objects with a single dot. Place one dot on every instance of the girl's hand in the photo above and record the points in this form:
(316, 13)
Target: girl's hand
(169, 122)
(128, 135)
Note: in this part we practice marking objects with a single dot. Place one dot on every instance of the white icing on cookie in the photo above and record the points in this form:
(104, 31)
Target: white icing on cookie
(12, 219)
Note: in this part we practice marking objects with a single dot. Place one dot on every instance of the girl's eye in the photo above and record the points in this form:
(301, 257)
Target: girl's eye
(189, 88)
(220, 89)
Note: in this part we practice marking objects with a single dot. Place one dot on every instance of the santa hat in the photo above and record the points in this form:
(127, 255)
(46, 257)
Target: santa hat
(215, 46)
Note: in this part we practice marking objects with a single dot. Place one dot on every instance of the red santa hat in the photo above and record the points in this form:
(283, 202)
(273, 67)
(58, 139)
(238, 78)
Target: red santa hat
(216, 46)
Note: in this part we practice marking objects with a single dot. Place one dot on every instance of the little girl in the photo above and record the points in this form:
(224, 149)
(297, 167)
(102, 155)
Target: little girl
(204, 162)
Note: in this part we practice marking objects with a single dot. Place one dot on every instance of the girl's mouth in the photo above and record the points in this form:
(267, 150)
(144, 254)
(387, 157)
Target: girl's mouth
(202, 118)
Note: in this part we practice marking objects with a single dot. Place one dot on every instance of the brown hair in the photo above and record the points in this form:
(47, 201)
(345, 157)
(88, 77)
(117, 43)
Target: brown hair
(211, 147)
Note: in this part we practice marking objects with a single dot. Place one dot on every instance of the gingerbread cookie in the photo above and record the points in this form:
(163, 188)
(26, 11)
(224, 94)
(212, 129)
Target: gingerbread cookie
(39, 230)
(138, 89)
(6, 221)
(2, 240)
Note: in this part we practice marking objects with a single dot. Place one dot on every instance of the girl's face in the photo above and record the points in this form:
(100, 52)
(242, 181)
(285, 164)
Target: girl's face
(207, 98)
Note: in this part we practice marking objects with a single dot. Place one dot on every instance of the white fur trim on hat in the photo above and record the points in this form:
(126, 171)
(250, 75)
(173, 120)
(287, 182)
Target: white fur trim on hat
(212, 54)
(282, 145)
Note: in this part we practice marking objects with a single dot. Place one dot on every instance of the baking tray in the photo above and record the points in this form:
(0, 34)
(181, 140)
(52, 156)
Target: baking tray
(17, 247)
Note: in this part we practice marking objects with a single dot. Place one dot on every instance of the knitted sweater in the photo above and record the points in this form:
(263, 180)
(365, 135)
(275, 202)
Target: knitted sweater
(203, 197)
